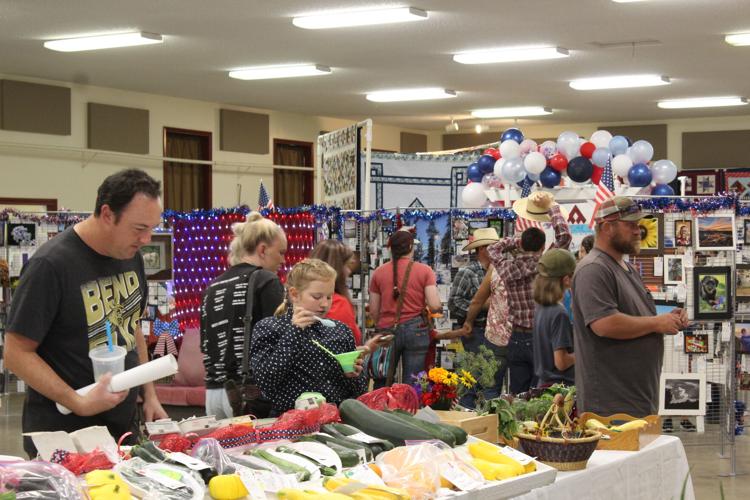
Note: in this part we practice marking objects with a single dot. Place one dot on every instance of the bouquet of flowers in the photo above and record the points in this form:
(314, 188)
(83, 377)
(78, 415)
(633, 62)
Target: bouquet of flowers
(439, 388)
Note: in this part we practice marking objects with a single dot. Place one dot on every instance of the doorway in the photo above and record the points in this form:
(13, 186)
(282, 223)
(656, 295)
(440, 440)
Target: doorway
(293, 188)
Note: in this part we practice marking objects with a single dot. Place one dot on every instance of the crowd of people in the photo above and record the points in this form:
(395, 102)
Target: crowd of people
(546, 317)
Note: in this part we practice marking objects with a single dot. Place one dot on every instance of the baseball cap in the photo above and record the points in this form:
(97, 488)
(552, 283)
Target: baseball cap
(619, 208)
(556, 263)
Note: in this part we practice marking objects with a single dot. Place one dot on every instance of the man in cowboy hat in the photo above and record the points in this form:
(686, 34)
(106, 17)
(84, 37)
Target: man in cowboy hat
(465, 286)
(618, 336)
(515, 261)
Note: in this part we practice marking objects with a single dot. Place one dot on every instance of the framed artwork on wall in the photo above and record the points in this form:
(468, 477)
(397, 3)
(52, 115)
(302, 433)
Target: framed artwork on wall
(742, 289)
(682, 394)
(696, 343)
(652, 234)
(715, 232)
(674, 269)
(746, 232)
(712, 293)
(683, 233)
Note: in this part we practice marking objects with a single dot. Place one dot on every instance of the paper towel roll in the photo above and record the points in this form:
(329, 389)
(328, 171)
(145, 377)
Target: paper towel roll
(142, 374)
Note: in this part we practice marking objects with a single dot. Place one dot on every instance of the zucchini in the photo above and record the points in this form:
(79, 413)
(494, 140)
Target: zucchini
(380, 424)
(437, 432)
(349, 457)
(286, 466)
(347, 431)
(458, 433)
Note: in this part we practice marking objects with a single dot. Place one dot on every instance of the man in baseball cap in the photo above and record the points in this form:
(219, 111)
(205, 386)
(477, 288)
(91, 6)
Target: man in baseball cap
(619, 338)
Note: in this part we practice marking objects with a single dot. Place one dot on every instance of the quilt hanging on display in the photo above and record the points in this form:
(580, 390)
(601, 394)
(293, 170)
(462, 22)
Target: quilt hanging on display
(339, 167)
(417, 181)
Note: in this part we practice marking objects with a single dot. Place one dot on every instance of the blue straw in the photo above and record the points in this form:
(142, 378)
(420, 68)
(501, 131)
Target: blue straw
(110, 343)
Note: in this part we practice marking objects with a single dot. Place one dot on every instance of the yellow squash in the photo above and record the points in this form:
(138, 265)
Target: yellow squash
(493, 471)
(227, 487)
(293, 494)
(371, 492)
(491, 453)
(633, 424)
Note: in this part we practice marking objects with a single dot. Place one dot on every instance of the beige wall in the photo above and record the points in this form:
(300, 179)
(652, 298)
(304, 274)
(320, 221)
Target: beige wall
(47, 170)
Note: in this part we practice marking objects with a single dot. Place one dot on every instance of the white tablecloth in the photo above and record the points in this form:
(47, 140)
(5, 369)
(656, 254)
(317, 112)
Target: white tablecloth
(656, 472)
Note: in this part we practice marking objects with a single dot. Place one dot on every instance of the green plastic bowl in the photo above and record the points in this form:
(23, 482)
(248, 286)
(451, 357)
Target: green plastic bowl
(347, 359)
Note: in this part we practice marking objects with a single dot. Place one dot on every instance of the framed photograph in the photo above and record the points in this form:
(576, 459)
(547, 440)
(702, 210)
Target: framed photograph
(696, 343)
(475, 224)
(652, 234)
(498, 225)
(742, 289)
(746, 233)
(674, 269)
(683, 233)
(20, 234)
(745, 381)
(682, 394)
(712, 295)
(154, 256)
(460, 229)
(742, 334)
(350, 228)
(715, 232)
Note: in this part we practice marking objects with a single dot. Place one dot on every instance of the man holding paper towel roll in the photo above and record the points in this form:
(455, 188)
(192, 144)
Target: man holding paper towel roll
(86, 279)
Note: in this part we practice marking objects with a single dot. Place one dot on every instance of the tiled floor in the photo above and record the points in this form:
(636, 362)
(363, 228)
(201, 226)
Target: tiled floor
(705, 460)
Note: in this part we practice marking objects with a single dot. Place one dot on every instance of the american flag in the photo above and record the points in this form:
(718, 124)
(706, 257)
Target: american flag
(604, 191)
(264, 201)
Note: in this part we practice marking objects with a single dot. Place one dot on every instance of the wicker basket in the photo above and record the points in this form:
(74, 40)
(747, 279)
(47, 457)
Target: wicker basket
(562, 454)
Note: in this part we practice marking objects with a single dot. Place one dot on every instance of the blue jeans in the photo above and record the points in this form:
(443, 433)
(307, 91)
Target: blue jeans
(472, 344)
(409, 346)
(521, 362)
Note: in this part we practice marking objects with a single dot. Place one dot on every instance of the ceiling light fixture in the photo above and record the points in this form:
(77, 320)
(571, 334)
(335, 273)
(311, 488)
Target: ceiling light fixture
(480, 128)
(702, 102)
(410, 95)
(289, 71)
(619, 82)
(342, 19)
(511, 112)
(510, 55)
(452, 126)
(738, 39)
(103, 41)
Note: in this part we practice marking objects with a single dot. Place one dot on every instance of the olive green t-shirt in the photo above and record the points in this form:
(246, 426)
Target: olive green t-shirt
(614, 376)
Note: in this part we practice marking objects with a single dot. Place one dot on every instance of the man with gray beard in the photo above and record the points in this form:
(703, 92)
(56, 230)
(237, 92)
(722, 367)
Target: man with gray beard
(618, 336)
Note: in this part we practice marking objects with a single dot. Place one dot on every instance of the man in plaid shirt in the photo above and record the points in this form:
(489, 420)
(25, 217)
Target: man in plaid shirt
(515, 260)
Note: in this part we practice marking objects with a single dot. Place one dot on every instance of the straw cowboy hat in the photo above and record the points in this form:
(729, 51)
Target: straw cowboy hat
(482, 237)
(536, 207)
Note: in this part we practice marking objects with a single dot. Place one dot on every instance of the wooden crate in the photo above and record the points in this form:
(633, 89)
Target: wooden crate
(632, 440)
(483, 427)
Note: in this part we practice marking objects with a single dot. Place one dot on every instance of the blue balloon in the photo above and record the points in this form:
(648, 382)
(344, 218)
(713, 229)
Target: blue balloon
(618, 145)
(474, 173)
(601, 156)
(639, 175)
(486, 164)
(512, 134)
(662, 190)
(580, 169)
(550, 177)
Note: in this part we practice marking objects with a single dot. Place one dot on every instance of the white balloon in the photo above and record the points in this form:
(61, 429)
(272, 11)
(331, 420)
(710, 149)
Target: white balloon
(568, 143)
(663, 171)
(548, 149)
(510, 149)
(535, 163)
(601, 138)
(528, 145)
(621, 165)
(473, 195)
(513, 170)
(498, 170)
(641, 151)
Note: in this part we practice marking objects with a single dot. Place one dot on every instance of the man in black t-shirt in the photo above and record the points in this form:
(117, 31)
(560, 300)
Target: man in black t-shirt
(90, 274)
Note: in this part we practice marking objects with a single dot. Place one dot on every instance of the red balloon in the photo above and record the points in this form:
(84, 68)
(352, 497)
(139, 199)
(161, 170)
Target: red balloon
(493, 152)
(587, 149)
(596, 175)
(558, 162)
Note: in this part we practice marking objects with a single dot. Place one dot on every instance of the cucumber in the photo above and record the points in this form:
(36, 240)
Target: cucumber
(460, 434)
(346, 431)
(346, 443)
(286, 466)
(349, 457)
(437, 432)
(324, 469)
(380, 424)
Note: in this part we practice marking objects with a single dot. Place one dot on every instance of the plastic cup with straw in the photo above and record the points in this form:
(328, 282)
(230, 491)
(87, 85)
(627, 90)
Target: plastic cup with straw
(107, 358)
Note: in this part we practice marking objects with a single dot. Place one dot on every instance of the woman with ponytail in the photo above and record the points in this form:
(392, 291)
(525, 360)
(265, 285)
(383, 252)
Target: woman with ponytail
(257, 250)
(290, 353)
(400, 290)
